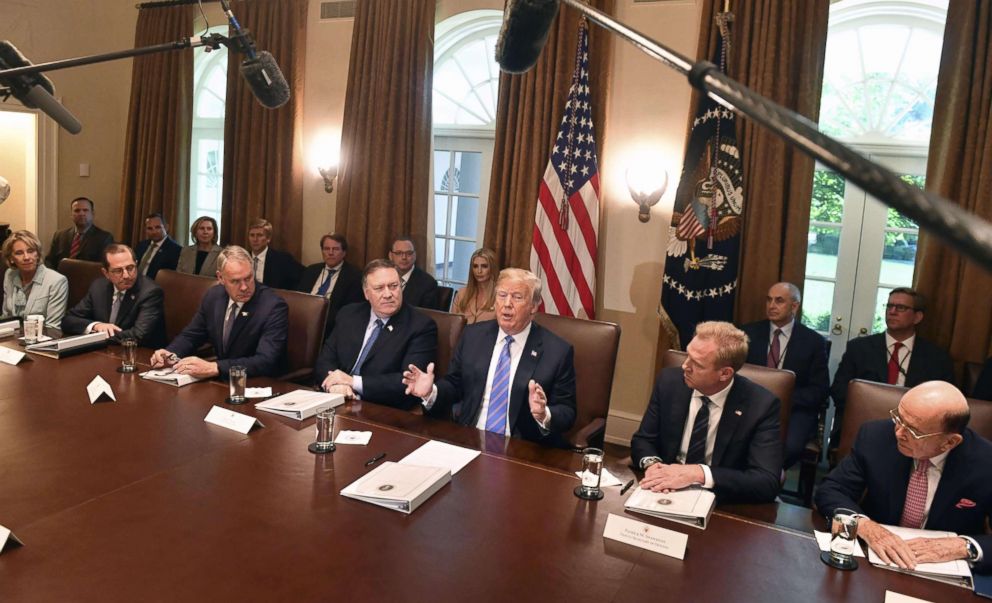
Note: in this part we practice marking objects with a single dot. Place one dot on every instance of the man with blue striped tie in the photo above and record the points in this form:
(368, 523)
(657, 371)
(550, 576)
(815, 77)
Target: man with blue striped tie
(508, 376)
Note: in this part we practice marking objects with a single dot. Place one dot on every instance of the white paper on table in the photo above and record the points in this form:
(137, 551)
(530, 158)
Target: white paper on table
(823, 541)
(892, 597)
(956, 567)
(258, 392)
(11, 356)
(97, 388)
(439, 454)
(358, 438)
(606, 479)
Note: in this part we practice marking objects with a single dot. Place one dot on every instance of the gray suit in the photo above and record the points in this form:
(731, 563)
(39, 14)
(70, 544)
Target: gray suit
(187, 261)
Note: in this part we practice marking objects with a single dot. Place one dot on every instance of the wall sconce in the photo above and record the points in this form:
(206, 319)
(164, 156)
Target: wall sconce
(646, 188)
(329, 174)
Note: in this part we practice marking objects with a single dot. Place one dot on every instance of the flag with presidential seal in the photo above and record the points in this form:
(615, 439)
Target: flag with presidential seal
(700, 281)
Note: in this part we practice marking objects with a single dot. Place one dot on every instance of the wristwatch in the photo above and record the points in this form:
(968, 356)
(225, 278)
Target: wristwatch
(972, 549)
(648, 461)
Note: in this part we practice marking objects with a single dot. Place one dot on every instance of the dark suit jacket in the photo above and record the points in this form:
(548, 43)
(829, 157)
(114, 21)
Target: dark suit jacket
(140, 316)
(747, 454)
(282, 271)
(258, 337)
(421, 290)
(408, 338)
(873, 480)
(868, 358)
(983, 387)
(347, 289)
(91, 248)
(806, 356)
(547, 359)
(166, 257)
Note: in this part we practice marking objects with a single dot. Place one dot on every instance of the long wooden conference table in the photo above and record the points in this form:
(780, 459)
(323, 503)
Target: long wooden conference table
(141, 500)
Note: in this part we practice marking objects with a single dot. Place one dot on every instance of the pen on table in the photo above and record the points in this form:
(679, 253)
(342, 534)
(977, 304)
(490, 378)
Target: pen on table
(626, 487)
(377, 457)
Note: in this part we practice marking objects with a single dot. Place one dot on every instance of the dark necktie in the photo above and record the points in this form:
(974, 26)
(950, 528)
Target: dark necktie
(254, 268)
(894, 364)
(115, 306)
(147, 258)
(696, 454)
(324, 286)
(229, 323)
(775, 351)
(368, 346)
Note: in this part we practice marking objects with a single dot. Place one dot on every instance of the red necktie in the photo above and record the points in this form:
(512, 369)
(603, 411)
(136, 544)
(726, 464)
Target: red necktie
(894, 364)
(916, 496)
(775, 352)
(77, 242)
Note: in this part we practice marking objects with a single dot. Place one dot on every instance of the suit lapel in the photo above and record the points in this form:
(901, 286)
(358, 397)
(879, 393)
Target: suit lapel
(897, 494)
(675, 426)
(760, 342)
(390, 333)
(946, 492)
(519, 392)
(480, 359)
(127, 302)
(733, 411)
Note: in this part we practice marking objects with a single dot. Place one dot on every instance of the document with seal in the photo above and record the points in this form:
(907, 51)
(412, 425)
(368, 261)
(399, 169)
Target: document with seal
(397, 486)
(646, 536)
(691, 506)
(301, 404)
(68, 346)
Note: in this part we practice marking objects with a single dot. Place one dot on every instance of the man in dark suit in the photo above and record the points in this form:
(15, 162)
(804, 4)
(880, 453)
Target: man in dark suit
(896, 356)
(419, 288)
(125, 304)
(158, 250)
(705, 425)
(783, 342)
(272, 267)
(246, 323)
(929, 471)
(375, 340)
(83, 240)
(509, 376)
(334, 278)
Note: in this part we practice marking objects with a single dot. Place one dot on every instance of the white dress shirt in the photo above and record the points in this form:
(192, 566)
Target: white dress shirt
(153, 248)
(717, 402)
(323, 275)
(356, 380)
(904, 355)
(783, 339)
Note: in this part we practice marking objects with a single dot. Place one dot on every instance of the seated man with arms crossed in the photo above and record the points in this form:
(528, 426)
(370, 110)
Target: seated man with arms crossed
(123, 304)
(706, 425)
(374, 340)
(924, 469)
(509, 376)
(247, 324)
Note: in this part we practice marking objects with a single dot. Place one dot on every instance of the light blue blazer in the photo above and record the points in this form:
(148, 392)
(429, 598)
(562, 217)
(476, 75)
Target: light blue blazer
(49, 295)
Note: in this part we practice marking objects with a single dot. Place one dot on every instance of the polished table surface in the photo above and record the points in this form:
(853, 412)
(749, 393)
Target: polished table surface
(140, 499)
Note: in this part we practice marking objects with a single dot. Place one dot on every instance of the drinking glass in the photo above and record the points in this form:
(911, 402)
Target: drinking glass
(129, 353)
(239, 377)
(843, 540)
(325, 432)
(592, 467)
(33, 324)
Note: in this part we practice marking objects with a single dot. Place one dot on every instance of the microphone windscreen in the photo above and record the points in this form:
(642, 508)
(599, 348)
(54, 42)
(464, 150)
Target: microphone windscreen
(266, 81)
(11, 58)
(39, 98)
(526, 24)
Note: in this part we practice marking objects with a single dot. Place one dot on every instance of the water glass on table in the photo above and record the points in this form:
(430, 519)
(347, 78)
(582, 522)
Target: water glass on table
(129, 354)
(843, 540)
(325, 432)
(592, 468)
(238, 378)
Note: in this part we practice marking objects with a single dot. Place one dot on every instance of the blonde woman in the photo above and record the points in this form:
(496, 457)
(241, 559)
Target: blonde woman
(201, 257)
(475, 301)
(29, 287)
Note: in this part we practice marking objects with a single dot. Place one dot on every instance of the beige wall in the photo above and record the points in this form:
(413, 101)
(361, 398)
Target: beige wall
(18, 165)
(647, 120)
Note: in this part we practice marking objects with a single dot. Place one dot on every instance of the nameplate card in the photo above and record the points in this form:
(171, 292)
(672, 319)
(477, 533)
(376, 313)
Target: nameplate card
(11, 356)
(894, 597)
(8, 540)
(99, 390)
(646, 536)
(223, 417)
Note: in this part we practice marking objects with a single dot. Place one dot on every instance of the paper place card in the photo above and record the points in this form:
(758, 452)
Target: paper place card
(11, 356)
(893, 597)
(98, 389)
(232, 420)
(258, 392)
(8, 540)
(646, 536)
(823, 541)
(359, 438)
(606, 479)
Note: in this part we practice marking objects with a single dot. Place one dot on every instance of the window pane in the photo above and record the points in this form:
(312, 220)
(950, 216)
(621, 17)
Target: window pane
(898, 258)
(878, 324)
(469, 170)
(821, 251)
(439, 249)
(818, 297)
(441, 215)
(828, 197)
(462, 255)
(442, 161)
(466, 216)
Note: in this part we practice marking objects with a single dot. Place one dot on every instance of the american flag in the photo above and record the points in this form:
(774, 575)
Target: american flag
(566, 228)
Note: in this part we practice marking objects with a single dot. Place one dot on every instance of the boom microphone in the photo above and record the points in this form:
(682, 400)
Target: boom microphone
(526, 24)
(260, 70)
(34, 90)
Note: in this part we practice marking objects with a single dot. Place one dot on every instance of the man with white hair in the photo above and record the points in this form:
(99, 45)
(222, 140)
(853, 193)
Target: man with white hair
(509, 376)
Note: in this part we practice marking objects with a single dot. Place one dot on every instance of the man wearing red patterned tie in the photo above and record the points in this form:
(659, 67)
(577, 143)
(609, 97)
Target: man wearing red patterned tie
(896, 356)
(922, 469)
(83, 240)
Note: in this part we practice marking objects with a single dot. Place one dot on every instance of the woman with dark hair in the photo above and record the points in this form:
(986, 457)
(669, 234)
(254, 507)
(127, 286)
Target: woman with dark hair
(477, 299)
(201, 257)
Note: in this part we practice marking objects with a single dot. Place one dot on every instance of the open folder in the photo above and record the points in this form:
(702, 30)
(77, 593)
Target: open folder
(691, 506)
(397, 486)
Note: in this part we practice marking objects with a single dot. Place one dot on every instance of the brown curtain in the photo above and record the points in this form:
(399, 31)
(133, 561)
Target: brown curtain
(960, 168)
(529, 110)
(384, 179)
(155, 175)
(263, 148)
(778, 51)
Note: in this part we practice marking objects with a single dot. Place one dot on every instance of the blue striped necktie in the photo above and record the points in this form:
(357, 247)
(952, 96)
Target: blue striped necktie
(327, 282)
(368, 346)
(499, 395)
(696, 455)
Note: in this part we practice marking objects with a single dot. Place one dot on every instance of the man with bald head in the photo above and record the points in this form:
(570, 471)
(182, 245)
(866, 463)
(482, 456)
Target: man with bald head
(923, 469)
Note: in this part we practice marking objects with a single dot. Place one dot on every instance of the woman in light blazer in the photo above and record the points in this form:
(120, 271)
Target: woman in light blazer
(29, 287)
(201, 257)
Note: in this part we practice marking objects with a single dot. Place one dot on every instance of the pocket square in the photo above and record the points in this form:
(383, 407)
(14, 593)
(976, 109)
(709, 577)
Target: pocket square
(965, 503)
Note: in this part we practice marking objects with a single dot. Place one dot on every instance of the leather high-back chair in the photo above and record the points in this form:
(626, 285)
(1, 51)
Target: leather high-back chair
(972, 370)
(307, 316)
(183, 293)
(449, 329)
(778, 381)
(81, 274)
(444, 297)
(595, 344)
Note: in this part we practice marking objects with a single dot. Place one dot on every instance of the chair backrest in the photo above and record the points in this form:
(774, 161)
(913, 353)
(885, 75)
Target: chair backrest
(595, 344)
(307, 315)
(81, 274)
(444, 297)
(972, 370)
(778, 381)
(183, 293)
(449, 329)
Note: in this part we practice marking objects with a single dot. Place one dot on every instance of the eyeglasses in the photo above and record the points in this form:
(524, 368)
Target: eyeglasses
(899, 307)
(404, 254)
(119, 271)
(897, 420)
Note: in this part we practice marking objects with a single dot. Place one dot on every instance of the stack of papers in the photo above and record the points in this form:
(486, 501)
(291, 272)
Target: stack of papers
(169, 377)
(956, 572)
(441, 455)
(301, 404)
(691, 506)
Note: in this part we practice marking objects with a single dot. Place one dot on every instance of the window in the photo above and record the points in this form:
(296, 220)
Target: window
(207, 144)
(466, 83)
